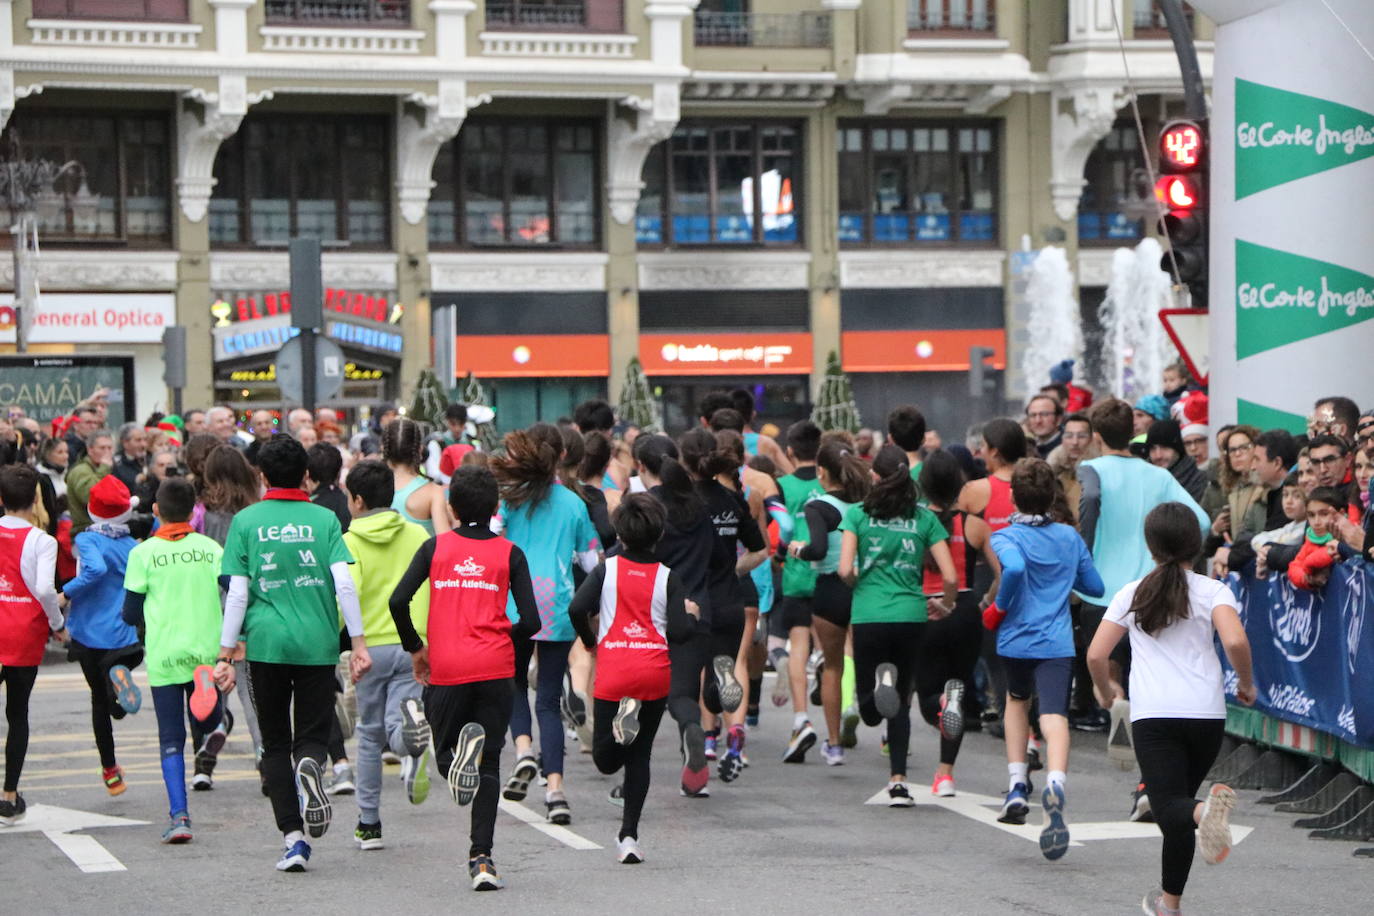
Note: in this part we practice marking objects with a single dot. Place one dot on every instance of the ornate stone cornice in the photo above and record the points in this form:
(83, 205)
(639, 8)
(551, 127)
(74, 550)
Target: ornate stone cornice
(634, 127)
(61, 270)
(909, 269)
(426, 123)
(1080, 117)
(503, 272)
(256, 270)
(204, 121)
(708, 270)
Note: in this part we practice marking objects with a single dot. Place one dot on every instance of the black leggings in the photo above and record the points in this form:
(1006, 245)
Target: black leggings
(876, 644)
(610, 756)
(96, 665)
(18, 683)
(950, 652)
(1174, 757)
(295, 704)
(688, 659)
(489, 704)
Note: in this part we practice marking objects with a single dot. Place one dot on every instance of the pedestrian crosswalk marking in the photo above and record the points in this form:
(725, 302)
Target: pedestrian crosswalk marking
(561, 834)
(84, 850)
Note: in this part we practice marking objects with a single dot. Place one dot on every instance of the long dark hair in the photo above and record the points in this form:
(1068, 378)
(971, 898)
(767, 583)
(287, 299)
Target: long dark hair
(894, 495)
(526, 469)
(1171, 532)
(703, 456)
(571, 460)
(731, 443)
(942, 479)
(596, 455)
(403, 444)
(659, 455)
(231, 484)
(847, 471)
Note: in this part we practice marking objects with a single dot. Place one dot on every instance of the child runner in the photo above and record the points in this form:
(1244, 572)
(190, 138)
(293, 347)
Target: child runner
(882, 552)
(388, 695)
(171, 589)
(470, 659)
(29, 614)
(1042, 563)
(1178, 708)
(288, 580)
(106, 647)
(551, 525)
(638, 605)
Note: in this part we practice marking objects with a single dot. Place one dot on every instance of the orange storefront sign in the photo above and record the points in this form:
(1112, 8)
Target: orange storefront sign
(533, 355)
(753, 353)
(919, 351)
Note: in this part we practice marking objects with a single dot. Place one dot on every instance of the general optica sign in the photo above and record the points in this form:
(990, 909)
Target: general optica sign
(122, 318)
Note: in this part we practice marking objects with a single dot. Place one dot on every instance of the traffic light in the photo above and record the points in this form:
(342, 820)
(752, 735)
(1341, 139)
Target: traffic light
(1182, 192)
(981, 381)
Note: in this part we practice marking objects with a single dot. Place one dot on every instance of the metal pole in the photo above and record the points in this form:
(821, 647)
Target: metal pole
(1194, 97)
(23, 280)
(309, 361)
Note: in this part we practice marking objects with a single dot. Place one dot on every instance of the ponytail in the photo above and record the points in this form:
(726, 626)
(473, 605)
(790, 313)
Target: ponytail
(731, 443)
(849, 474)
(895, 494)
(1161, 599)
(659, 456)
(527, 467)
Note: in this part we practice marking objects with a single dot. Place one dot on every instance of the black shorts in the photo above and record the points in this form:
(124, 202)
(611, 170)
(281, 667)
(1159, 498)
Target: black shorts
(793, 612)
(832, 600)
(748, 591)
(1047, 679)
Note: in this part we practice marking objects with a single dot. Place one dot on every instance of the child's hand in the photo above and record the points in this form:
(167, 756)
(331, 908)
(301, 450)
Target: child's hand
(224, 676)
(62, 636)
(1110, 696)
(1247, 694)
(693, 609)
(360, 663)
(794, 549)
(1333, 550)
(419, 663)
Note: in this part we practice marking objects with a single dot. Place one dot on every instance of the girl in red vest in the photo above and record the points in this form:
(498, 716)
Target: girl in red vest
(639, 605)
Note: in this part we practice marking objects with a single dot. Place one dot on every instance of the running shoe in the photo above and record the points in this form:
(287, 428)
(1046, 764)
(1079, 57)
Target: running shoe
(12, 812)
(625, 725)
(1119, 744)
(1054, 839)
(704, 793)
(368, 836)
(1153, 903)
(1033, 760)
(832, 754)
(732, 762)
(952, 710)
(463, 776)
(782, 680)
(202, 776)
(315, 808)
(518, 785)
(416, 734)
(942, 786)
(1140, 806)
(1214, 827)
(849, 728)
(695, 775)
(415, 776)
(710, 751)
(483, 874)
(114, 781)
(390, 757)
(205, 696)
(1016, 806)
(815, 676)
(803, 739)
(617, 795)
(557, 809)
(628, 852)
(731, 690)
(294, 857)
(883, 747)
(899, 795)
(751, 718)
(127, 694)
(574, 708)
(885, 695)
(342, 782)
(179, 830)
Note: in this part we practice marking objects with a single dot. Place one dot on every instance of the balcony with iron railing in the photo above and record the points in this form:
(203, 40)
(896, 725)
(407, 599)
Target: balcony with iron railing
(112, 10)
(1148, 19)
(555, 15)
(762, 30)
(964, 18)
(338, 13)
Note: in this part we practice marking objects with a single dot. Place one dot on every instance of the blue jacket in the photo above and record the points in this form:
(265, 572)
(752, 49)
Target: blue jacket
(97, 593)
(1041, 565)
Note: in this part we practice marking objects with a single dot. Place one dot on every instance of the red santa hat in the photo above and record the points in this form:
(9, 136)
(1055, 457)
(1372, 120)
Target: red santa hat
(110, 501)
(1194, 415)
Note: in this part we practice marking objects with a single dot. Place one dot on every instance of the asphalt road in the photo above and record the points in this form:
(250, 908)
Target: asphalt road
(783, 839)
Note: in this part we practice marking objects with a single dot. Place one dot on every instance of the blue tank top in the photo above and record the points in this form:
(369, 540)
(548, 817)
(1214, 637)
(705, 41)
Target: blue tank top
(398, 502)
(751, 444)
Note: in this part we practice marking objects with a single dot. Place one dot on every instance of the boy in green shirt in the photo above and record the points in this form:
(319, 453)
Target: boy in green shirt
(288, 582)
(171, 591)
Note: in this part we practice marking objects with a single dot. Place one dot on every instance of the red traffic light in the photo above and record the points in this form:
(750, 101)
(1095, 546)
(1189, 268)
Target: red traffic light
(1181, 146)
(1178, 192)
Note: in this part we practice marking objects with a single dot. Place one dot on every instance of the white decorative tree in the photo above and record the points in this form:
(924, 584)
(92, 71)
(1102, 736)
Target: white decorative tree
(1136, 347)
(835, 407)
(473, 395)
(1055, 324)
(638, 406)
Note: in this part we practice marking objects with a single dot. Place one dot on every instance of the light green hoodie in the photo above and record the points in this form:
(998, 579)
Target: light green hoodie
(382, 545)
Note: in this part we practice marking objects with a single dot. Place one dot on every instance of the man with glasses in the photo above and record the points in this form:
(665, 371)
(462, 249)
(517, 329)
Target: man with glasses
(1276, 451)
(1330, 457)
(1076, 445)
(1042, 420)
(1334, 416)
(1364, 433)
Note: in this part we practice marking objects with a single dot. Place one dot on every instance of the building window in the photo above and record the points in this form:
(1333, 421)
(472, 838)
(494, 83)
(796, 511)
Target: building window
(700, 186)
(920, 182)
(517, 183)
(1148, 19)
(367, 13)
(924, 16)
(556, 15)
(117, 187)
(1112, 183)
(283, 176)
(115, 10)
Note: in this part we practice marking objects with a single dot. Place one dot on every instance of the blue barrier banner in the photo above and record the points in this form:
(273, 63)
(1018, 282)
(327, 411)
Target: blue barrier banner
(1313, 651)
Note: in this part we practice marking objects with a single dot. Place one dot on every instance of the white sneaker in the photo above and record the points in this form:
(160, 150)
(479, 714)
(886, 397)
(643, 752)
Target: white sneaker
(628, 851)
(899, 795)
(833, 755)
(1214, 827)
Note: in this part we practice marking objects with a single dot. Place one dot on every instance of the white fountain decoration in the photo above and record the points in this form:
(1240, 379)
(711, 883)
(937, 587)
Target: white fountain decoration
(1054, 322)
(1136, 348)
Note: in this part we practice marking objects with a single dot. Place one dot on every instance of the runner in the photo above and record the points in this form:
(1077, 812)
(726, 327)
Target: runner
(29, 614)
(471, 656)
(883, 549)
(104, 645)
(1178, 706)
(639, 608)
(551, 525)
(756, 443)
(277, 556)
(845, 480)
(1042, 561)
(171, 590)
(417, 498)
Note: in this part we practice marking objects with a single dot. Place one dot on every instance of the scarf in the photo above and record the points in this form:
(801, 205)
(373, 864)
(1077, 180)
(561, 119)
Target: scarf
(1035, 521)
(114, 530)
(174, 531)
(1318, 539)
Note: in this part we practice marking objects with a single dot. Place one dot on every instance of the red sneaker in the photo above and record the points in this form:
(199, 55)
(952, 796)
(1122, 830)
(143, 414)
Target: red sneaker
(114, 781)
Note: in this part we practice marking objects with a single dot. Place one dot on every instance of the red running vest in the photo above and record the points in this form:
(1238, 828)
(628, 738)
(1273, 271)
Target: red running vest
(469, 632)
(23, 624)
(632, 650)
(958, 549)
(1000, 507)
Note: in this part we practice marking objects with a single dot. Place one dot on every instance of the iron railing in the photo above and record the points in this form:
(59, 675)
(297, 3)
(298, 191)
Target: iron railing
(514, 14)
(338, 12)
(118, 10)
(951, 15)
(763, 30)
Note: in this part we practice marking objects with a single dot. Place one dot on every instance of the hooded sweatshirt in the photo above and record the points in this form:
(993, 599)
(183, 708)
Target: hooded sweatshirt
(382, 545)
(97, 593)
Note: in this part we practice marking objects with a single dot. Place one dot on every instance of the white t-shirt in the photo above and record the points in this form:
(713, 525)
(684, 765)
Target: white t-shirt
(1176, 674)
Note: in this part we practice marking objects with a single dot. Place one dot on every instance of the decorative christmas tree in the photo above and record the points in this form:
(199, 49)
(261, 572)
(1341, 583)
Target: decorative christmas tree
(835, 407)
(430, 401)
(638, 406)
(472, 395)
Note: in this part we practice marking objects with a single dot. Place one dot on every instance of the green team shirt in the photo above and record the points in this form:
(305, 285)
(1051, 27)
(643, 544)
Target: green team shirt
(891, 565)
(285, 547)
(798, 578)
(181, 612)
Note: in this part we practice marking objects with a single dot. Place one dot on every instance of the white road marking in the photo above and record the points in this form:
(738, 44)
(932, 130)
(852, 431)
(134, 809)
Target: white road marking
(561, 834)
(85, 851)
(984, 809)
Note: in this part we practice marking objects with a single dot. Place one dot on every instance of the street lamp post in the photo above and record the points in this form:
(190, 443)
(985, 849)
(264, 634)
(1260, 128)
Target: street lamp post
(21, 182)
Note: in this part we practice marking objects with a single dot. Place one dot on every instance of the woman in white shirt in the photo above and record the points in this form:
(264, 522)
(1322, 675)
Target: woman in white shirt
(1178, 707)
